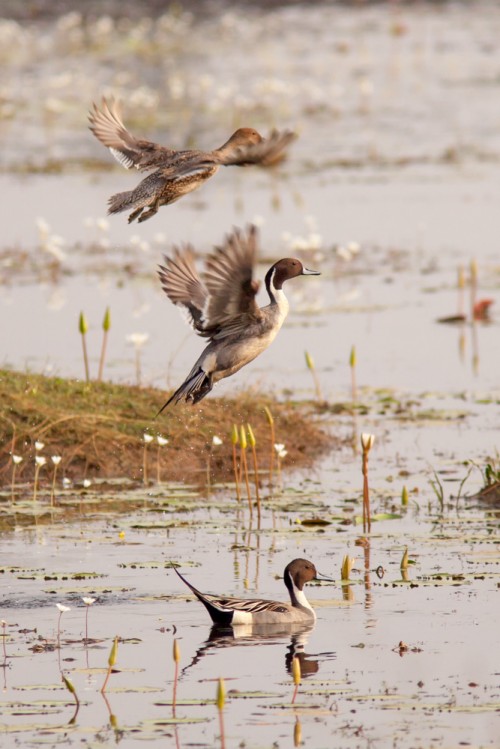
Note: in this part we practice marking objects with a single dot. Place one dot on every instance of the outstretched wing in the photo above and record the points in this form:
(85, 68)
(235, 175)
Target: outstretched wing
(183, 286)
(228, 277)
(268, 152)
(108, 128)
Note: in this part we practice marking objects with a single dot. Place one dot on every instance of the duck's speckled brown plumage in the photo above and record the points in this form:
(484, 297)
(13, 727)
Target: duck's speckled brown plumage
(176, 172)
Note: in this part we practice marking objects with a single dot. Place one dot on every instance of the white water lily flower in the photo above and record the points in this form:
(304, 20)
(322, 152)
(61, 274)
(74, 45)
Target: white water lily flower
(282, 453)
(162, 441)
(279, 447)
(86, 483)
(40, 460)
(147, 438)
(353, 247)
(216, 440)
(102, 224)
(39, 445)
(62, 608)
(56, 459)
(88, 601)
(367, 441)
(17, 459)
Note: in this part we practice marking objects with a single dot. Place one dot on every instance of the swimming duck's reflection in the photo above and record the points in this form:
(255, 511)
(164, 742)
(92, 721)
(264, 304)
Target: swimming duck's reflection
(251, 634)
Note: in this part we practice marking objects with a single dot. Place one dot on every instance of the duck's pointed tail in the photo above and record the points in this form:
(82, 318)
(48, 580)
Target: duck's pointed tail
(194, 388)
(218, 613)
(122, 201)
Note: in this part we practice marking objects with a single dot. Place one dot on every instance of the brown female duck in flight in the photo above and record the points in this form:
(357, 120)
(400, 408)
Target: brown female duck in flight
(175, 172)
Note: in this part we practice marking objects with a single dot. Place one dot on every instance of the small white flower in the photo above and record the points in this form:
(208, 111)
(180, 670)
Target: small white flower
(279, 447)
(39, 445)
(343, 253)
(86, 483)
(353, 247)
(102, 224)
(216, 440)
(88, 601)
(62, 608)
(138, 339)
(66, 482)
(40, 460)
(147, 438)
(56, 459)
(282, 453)
(162, 441)
(17, 459)
(367, 441)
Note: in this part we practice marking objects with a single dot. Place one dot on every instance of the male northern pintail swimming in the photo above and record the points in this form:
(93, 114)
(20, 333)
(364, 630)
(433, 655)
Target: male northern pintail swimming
(222, 307)
(176, 172)
(227, 611)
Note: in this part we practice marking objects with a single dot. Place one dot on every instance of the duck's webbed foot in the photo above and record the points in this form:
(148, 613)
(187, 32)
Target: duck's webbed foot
(135, 214)
(151, 212)
(203, 390)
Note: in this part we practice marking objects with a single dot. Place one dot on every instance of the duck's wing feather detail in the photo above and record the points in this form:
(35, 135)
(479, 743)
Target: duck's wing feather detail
(268, 152)
(107, 126)
(183, 286)
(228, 277)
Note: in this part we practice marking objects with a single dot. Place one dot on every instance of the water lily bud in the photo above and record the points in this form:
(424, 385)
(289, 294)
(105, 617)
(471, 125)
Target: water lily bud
(296, 672)
(309, 361)
(352, 357)
(221, 695)
(251, 436)
(404, 496)
(234, 435)
(243, 438)
(106, 323)
(82, 324)
(269, 416)
(367, 441)
(113, 653)
(176, 651)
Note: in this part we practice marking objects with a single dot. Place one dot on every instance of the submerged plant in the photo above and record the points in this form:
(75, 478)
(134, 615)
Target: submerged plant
(111, 662)
(367, 441)
(106, 325)
(83, 329)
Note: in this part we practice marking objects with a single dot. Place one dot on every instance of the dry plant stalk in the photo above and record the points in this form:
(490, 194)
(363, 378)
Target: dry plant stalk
(270, 421)
(83, 328)
(243, 458)
(106, 324)
(253, 443)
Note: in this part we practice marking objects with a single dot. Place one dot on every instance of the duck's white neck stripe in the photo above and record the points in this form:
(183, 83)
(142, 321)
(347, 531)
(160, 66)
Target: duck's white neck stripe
(301, 599)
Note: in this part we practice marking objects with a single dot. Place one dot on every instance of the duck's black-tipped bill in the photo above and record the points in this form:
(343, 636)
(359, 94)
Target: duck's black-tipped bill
(307, 272)
(323, 578)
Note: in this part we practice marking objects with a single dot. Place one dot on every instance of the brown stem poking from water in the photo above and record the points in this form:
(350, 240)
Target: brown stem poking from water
(244, 464)
(270, 421)
(352, 364)
(253, 444)
(235, 440)
(176, 654)
(366, 445)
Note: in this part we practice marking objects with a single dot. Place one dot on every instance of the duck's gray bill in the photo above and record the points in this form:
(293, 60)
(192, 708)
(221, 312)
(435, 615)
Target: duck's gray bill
(307, 272)
(320, 576)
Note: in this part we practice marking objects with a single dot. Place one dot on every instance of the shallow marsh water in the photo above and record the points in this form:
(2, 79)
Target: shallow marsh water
(399, 152)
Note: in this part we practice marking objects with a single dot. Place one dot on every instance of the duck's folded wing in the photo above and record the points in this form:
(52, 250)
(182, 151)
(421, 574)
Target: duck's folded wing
(228, 276)
(268, 152)
(183, 286)
(108, 128)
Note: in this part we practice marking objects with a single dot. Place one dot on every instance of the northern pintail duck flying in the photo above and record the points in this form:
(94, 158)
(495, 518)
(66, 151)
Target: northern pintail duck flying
(222, 307)
(226, 611)
(176, 172)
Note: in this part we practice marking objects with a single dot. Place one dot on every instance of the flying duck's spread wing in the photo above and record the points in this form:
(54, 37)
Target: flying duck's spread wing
(183, 286)
(268, 152)
(228, 277)
(108, 128)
